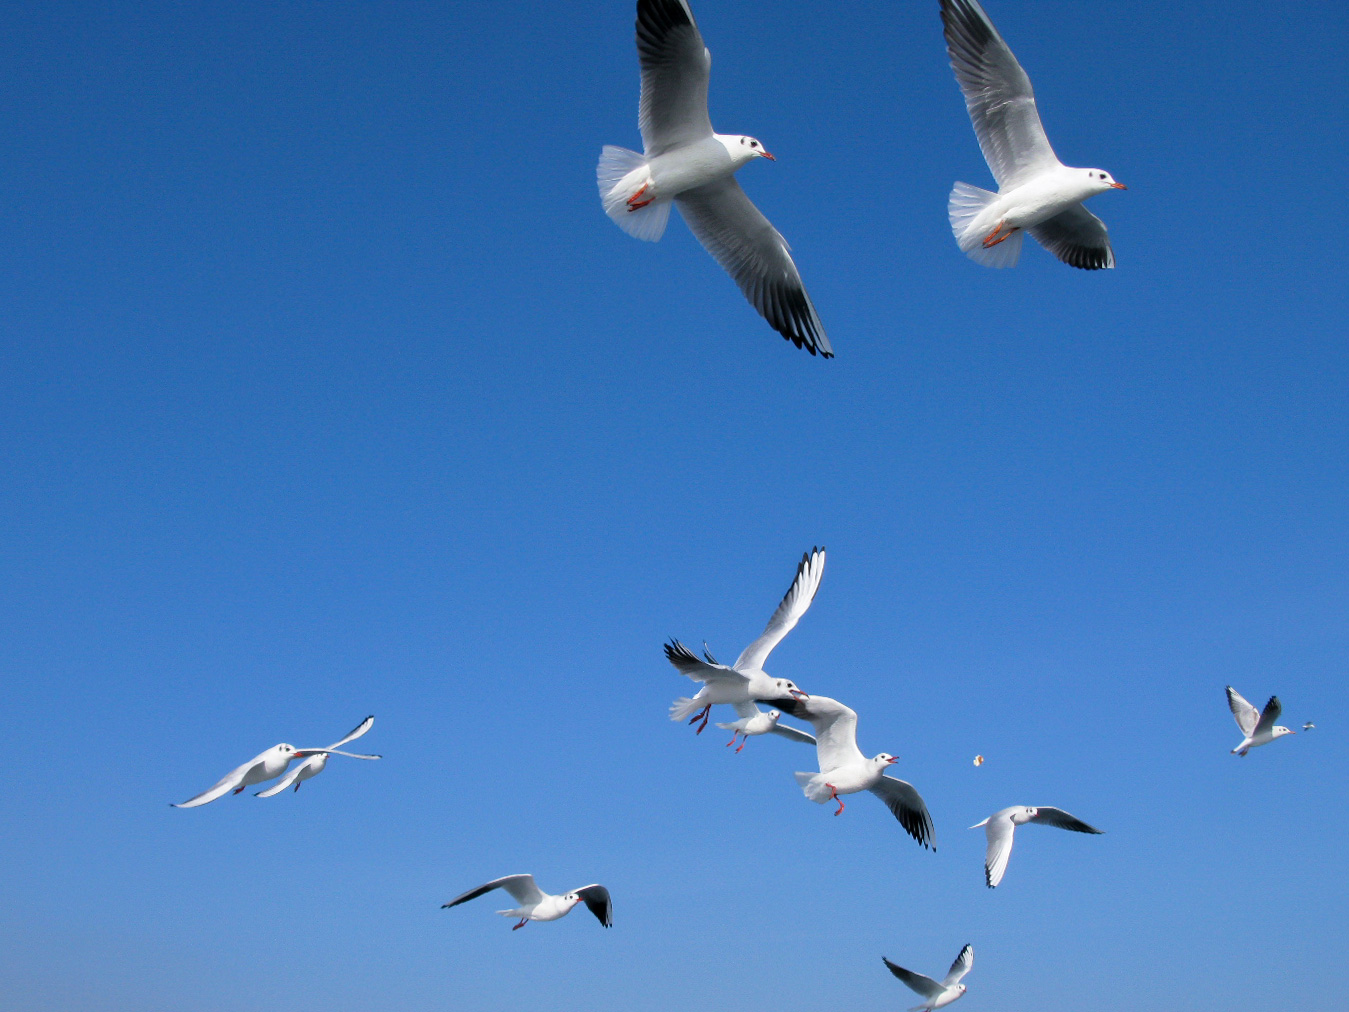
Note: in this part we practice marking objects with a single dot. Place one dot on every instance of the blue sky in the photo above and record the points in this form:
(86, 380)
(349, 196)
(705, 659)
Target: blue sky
(327, 389)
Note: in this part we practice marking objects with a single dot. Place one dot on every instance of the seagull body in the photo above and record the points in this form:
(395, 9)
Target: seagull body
(1000, 827)
(1258, 726)
(845, 770)
(316, 759)
(754, 721)
(1036, 192)
(936, 995)
(687, 164)
(261, 768)
(537, 905)
(745, 681)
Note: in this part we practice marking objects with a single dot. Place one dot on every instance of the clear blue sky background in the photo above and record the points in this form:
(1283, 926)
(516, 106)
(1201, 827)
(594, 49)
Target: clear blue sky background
(327, 389)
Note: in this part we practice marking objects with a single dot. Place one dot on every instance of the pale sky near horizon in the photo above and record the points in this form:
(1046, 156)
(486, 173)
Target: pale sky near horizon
(328, 389)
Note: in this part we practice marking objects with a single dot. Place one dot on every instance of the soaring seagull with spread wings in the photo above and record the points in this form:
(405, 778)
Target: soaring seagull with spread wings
(1257, 725)
(316, 759)
(1000, 826)
(537, 905)
(936, 994)
(686, 164)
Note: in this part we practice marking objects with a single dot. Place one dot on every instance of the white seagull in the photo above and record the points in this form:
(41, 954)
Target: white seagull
(746, 681)
(754, 721)
(1036, 192)
(537, 905)
(687, 164)
(1258, 727)
(1001, 825)
(262, 767)
(316, 759)
(845, 770)
(936, 995)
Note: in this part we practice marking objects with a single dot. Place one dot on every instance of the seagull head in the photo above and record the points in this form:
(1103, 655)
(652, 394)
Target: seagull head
(773, 715)
(787, 688)
(1278, 731)
(754, 149)
(885, 759)
(1100, 181)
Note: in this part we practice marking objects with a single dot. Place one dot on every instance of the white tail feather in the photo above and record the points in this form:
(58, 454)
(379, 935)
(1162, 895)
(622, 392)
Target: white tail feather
(683, 708)
(621, 173)
(964, 206)
(813, 786)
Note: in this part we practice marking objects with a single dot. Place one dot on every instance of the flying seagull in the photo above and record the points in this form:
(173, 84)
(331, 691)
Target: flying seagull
(537, 905)
(845, 770)
(746, 681)
(262, 767)
(687, 164)
(1036, 192)
(936, 995)
(1000, 826)
(316, 759)
(1258, 726)
(754, 721)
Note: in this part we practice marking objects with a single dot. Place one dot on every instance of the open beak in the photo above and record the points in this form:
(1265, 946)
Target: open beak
(798, 694)
(1118, 186)
(893, 759)
(769, 157)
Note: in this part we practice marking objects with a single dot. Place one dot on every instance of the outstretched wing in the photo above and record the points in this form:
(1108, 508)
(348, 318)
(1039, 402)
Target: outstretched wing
(285, 781)
(521, 887)
(835, 729)
(688, 663)
(960, 967)
(356, 731)
(1000, 831)
(1078, 238)
(925, 986)
(792, 734)
(998, 95)
(907, 806)
(794, 604)
(597, 900)
(1061, 819)
(1247, 715)
(224, 785)
(754, 253)
(675, 71)
(1269, 715)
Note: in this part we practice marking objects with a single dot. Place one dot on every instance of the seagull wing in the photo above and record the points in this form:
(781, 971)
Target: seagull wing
(999, 830)
(960, 967)
(1061, 819)
(792, 734)
(1078, 238)
(675, 70)
(284, 782)
(1247, 715)
(835, 729)
(794, 604)
(224, 785)
(597, 899)
(998, 95)
(1269, 715)
(907, 806)
(521, 887)
(689, 664)
(925, 986)
(355, 732)
(754, 253)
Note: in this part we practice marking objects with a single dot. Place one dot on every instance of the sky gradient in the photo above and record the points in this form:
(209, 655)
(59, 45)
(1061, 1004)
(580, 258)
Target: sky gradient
(328, 389)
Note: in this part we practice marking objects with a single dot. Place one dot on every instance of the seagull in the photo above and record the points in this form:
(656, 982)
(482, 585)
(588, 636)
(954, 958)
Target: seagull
(746, 681)
(844, 770)
(537, 905)
(754, 721)
(687, 164)
(1036, 192)
(316, 759)
(1001, 825)
(1258, 726)
(936, 995)
(263, 766)
(1308, 726)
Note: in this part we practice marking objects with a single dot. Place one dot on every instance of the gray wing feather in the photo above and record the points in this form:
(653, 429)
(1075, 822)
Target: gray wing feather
(598, 901)
(521, 887)
(1078, 238)
(795, 603)
(676, 67)
(356, 732)
(907, 806)
(998, 95)
(962, 965)
(1059, 818)
(1269, 715)
(688, 663)
(793, 734)
(753, 252)
(1247, 715)
(925, 986)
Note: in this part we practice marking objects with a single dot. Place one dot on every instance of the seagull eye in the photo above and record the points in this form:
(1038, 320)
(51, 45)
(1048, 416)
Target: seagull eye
(754, 144)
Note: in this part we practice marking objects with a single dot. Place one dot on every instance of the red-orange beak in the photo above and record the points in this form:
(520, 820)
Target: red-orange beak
(893, 759)
(1118, 186)
(769, 157)
(798, 694)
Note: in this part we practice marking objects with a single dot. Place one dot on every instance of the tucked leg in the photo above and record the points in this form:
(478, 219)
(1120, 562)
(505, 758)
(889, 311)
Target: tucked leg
(523, 922)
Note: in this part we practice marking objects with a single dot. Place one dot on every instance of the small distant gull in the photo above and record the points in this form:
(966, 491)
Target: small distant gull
(845, 770)
(687, 164)
(1258, 726)
(1036, 192)
(261, 768)
(754, 721)
(1308, 726)
(745, 681)
(936, 995)
(537, 905)
(316, 759)
(1000, 826)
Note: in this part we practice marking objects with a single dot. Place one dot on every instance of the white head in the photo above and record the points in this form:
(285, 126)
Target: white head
(773, 715)
(884, 759)
(1278, 731)
(786, 687)
(283, 750)
(744, 149)
(1098, 180)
